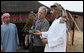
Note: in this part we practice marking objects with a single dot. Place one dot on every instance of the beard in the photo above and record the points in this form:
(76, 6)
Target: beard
(53, 14)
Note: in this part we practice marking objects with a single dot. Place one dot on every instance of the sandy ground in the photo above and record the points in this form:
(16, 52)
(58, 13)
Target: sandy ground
(77, 46)
(78, 43)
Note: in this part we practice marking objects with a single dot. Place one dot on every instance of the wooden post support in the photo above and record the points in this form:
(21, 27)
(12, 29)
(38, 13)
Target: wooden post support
(67, 40)
(73, 32)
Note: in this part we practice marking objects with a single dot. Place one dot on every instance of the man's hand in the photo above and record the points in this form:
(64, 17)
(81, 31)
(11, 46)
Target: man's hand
(37, 32)
(26, 43)
(45, 41)
(2, 49)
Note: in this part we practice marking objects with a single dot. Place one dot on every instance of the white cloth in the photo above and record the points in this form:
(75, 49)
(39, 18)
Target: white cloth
(56, 36)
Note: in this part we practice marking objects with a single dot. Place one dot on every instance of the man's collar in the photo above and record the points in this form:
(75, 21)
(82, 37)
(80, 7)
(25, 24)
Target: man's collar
(41, 19)
(57, 17)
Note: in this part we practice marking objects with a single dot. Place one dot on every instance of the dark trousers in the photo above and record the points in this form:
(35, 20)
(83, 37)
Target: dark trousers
(37, 49)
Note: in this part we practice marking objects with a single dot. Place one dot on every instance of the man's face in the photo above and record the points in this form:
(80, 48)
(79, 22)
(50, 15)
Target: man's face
(53, 11)
(41, 13)
(6, 19)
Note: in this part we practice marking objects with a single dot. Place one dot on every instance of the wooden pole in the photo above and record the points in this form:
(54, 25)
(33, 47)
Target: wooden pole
(73, 32)
(74, 22)
(67, 39)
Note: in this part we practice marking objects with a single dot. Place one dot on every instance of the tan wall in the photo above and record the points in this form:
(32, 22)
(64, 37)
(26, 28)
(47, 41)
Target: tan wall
(79, 23)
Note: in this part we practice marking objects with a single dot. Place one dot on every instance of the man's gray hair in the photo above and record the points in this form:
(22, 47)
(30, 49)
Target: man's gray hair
(44, 8)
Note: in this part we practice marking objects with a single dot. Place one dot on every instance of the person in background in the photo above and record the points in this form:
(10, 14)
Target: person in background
(9, 35)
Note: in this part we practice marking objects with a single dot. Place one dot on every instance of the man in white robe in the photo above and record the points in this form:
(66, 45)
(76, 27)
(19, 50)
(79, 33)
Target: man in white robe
(56, 35)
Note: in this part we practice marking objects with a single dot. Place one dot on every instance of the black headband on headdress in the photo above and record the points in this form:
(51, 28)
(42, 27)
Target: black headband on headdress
(53, 6)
